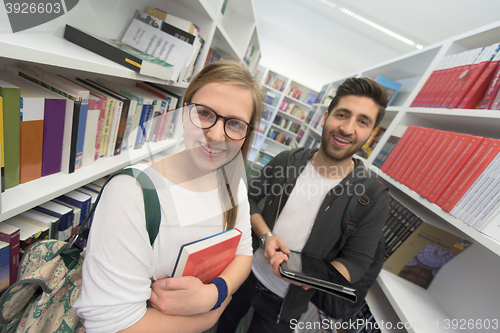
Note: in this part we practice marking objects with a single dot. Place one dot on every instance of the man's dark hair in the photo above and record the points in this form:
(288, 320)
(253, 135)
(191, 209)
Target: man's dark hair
(364, 87)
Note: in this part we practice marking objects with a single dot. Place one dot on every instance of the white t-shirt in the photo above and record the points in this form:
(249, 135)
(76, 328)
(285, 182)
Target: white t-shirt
(119, 260)
(295, 222)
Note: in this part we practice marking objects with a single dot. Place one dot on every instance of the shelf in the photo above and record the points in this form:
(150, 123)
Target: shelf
(283, 130)
(413, 304)
(382, 310)
(277, 143)
(315, 131)
(26, 196)
(297, 101)
(290, 116)
(48, 49)
(474, 234)
(272, 89)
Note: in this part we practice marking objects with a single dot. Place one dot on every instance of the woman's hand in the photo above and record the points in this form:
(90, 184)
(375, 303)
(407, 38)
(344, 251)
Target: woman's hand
(183, 296)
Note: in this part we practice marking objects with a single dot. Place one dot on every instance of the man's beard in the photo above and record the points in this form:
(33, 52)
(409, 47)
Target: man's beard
(338, 154)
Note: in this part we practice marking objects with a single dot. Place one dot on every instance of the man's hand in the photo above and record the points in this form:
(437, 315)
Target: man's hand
(183, 296)
(274, 244)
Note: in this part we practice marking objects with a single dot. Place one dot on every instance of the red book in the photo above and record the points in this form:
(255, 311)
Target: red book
(438, 151)
(11, 235)
(454, 168)
(207, 257)
(398, 149)
(415, 178)
(478, 90)
(452, 151)
(428, 140)
(461, 77)
(469, 173)
(475, 71)
(494, 85)
(442, 80)
(408, 157)
(426, 88)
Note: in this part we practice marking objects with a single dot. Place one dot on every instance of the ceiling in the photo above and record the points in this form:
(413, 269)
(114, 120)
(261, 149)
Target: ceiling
(313, 43)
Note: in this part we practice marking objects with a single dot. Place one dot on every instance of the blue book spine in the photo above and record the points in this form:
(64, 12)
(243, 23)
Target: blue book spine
(82, 126)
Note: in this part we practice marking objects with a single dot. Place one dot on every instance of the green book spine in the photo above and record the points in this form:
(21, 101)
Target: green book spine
(12, 133)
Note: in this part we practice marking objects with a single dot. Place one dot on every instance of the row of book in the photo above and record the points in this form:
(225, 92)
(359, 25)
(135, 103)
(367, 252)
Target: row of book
(57, 124)
(296, 93)
(455, 171)
(311, 142)
(325, 97)
(54, 219)
(279, 137)
(466, 80)
(275, 82)
(314, 119)
(293, 110)
(366, 150)
(414, 249)
(213, 55)
(155, 43)
(286, 123)
(271, 98)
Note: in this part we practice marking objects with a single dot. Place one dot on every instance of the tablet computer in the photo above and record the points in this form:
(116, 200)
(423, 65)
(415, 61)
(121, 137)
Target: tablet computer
(317, 273)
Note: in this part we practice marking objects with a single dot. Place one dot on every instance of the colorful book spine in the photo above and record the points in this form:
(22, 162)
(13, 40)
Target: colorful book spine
(11, 97)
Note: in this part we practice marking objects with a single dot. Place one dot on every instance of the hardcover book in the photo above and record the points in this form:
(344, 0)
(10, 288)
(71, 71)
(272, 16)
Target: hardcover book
(32, 107)
(71, 118)
(391, 86)
(11, 235)
(120, 53)
(4, 265)
(207, 258)
(424, 253)
(53, 123)
(11, 97)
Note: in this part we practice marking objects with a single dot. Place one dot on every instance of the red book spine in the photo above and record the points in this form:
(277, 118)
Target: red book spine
(414, 145)
(415, 177)
(425, 88)
(493, 88)
(451, 172)
(444, 144)
(478, 90)
(398, 149)
(455, 147)
(467, 82)
(452, 86)
(13, 239)
(163, 134)
(428, 140)
(437, 90)
(471, 174)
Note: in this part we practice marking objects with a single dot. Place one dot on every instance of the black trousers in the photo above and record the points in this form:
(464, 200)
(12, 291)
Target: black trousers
(266, 308)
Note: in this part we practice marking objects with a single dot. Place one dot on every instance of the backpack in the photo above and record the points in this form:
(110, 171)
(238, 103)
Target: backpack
(50, 274)
(358, 206)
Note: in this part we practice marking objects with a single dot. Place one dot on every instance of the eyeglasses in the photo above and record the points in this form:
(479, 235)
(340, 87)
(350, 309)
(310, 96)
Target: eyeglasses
(203, 117)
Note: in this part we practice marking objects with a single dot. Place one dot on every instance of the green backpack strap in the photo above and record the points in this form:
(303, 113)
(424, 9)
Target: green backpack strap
(151, 205)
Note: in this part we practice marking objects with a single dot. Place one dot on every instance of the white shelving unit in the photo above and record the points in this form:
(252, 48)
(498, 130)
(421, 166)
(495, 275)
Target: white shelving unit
(279, 88)
(44, 46)
(467, 288)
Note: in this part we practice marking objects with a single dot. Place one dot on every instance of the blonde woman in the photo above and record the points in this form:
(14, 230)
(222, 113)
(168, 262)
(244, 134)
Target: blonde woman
(201, 193)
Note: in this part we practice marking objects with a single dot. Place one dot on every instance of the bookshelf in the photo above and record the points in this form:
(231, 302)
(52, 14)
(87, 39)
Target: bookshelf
(467, 288)
(284, 114)
(231, 32)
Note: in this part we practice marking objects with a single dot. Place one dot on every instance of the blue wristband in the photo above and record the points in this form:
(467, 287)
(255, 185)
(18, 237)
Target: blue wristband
(221, 285)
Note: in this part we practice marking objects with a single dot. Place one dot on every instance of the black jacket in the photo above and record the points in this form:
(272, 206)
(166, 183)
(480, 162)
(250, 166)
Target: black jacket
(278, 178)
